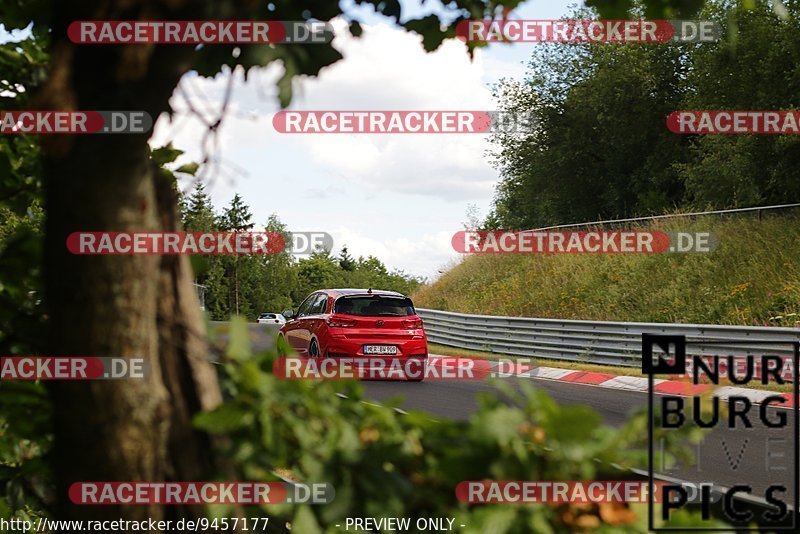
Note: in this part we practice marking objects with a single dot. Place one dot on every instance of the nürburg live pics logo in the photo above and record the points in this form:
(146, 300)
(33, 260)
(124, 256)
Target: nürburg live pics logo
(741, 397)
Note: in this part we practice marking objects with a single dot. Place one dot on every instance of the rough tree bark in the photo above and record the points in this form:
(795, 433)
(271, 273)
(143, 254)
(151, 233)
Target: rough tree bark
(119, 306)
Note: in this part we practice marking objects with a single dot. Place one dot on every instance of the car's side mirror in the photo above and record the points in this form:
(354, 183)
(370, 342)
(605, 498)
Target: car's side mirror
(288, 314)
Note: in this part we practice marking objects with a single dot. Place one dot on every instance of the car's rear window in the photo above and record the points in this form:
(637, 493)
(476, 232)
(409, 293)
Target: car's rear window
(267, 316)
(372, 306)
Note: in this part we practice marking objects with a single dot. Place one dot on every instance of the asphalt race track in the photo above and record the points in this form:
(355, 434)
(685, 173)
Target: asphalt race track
(723, 447)
(458, 399)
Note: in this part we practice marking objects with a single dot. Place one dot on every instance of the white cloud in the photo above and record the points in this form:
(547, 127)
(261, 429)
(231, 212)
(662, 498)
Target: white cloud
(423, 255)
(387, 69)
(397, 197)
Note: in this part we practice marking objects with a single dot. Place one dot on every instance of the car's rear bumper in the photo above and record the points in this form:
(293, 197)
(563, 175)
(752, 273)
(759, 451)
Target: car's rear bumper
(352, 347)
(382, 367)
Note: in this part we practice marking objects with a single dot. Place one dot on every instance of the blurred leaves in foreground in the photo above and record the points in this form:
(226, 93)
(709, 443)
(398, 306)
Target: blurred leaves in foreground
(385, 463)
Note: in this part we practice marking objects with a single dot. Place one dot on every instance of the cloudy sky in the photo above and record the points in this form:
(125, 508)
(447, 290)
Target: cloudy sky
(398, 197)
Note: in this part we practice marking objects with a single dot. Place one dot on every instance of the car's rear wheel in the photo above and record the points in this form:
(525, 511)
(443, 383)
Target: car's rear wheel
(313, 349)
(420, 378)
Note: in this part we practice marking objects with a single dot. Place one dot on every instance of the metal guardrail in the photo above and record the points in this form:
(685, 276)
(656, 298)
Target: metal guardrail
(201, 294)
(758, 210)
(601, 342)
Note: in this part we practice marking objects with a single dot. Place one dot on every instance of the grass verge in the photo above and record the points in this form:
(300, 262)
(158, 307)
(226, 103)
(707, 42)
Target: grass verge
(752, 278)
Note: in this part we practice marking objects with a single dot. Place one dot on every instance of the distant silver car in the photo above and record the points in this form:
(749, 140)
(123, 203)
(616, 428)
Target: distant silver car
(271, 318)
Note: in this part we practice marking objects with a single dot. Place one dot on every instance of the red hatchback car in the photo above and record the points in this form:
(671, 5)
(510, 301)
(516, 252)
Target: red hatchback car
(355, 322)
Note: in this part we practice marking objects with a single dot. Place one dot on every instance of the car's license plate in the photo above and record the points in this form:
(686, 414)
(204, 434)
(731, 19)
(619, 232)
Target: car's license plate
(380, 349)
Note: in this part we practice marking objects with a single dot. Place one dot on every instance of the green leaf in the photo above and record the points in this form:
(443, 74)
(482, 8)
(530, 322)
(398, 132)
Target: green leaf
(573, 424)
(188, 168)
(285, 82)
(390, 8)
(239, 347)
(5, 167)
(430, 29)
(500, 424)
(165, 154)
(305, 522)
(226, 418)
(612, 9)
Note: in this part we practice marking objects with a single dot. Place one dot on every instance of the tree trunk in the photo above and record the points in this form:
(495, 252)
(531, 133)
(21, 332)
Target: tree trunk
(136, 306)
(236, 282)
(105, 306)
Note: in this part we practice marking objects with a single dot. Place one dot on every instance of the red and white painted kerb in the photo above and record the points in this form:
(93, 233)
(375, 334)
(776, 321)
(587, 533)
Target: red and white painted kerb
(637, 383)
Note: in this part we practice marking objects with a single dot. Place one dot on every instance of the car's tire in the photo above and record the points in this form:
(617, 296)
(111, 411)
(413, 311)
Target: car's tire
(422, 378)
(313, 349)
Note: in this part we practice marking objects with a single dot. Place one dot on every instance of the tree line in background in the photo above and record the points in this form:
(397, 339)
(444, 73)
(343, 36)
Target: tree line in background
(602, 148)
(249, 285)
(155, 429)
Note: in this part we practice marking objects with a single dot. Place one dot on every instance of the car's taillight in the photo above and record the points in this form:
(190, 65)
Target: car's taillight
(341, 322)
(412, 323)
